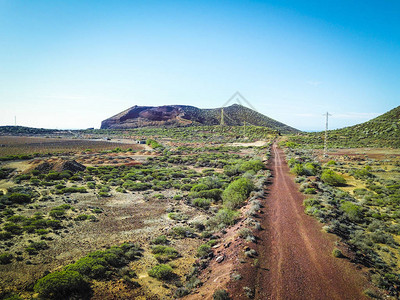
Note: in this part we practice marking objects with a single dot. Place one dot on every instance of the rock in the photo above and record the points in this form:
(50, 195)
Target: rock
(172, 115)
(227, 244)
(220, 259)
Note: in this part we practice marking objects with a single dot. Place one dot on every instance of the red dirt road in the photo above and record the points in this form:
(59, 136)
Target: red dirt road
(295, 256)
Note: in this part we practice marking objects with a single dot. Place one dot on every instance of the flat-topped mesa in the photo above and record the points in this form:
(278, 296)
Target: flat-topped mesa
(184, 115)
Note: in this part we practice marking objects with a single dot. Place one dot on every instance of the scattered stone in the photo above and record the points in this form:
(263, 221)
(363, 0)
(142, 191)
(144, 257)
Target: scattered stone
(227, 244)
(220, 259)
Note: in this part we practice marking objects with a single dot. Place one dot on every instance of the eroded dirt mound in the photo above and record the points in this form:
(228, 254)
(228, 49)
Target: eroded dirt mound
(58, 165)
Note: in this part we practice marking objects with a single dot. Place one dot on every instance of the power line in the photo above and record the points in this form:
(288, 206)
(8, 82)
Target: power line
(326, 134)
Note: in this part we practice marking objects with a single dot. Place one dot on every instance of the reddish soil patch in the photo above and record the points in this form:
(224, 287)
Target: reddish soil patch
(296, 259)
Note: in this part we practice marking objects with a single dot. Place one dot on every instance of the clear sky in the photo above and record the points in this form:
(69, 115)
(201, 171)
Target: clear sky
(72, 64)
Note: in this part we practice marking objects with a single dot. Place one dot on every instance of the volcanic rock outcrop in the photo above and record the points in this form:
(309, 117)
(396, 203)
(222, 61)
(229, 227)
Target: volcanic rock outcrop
(184, 115)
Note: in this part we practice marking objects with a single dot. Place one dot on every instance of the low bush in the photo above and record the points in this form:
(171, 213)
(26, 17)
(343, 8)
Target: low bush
(237, 192)
(332, 178)
(162, 272)
(310, 191)
(63, 285)
(160, 240)
(19, 198)
(352, 210)
(12, 228)
(5, 235)
(224, 217)
(164, 253)
(201, 202)
(59, 211)
(214, 194)
(100, 264)
(5, 258)
(337, 253)
(180, 231)
(34, 247)
(221, 295)
(177, 216)
(203, 250)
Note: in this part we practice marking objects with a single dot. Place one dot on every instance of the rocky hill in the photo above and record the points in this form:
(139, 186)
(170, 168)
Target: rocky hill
(183, 115)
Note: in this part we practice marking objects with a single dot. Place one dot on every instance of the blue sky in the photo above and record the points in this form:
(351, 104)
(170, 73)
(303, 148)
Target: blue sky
(71, 64)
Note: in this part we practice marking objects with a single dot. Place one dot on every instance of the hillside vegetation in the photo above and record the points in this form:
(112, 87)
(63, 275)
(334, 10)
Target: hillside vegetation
(383, 131)
(356, 195)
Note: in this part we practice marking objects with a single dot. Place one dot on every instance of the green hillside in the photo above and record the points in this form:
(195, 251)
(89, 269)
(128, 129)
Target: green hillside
(383, 131)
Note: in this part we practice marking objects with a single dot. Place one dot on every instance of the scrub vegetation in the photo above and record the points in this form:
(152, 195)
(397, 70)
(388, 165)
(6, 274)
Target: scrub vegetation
(126, 220)
(356, 195)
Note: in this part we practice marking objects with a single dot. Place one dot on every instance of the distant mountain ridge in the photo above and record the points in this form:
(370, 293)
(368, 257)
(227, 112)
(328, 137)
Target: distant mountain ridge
(185, 115)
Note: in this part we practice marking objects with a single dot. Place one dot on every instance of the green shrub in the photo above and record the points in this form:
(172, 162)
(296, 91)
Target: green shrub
(224, 217)
(164, 253)
(251, 165)
(221, 295)
(99, 264)
(82, 217)
(162, 272)
(91, 185)
(214, 194)
(19, 198)
(41, 231)
(237, 192)
(311, 169)
(136, 186)
(104, 194)
(5, 235)
(180, 231)
(63, 285)
(203, 250)
(72, 189)
(34, 247)
(331, 178)
(201, 202)
(5, 258)
(177, 216)
(337, 253)
(310, 191)
(154, 144)
(362, 174)
(352, 210)
(199, 187)
(59, 211)
(160, 240)
(298, 169)
(13, 228)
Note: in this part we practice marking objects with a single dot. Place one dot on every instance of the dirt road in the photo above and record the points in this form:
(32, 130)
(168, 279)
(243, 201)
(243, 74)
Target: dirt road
(296, 259)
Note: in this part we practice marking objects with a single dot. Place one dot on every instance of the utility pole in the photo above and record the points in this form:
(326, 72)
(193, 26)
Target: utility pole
(15, 120)
(244, 129)
(326, 135)
(222, 116)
